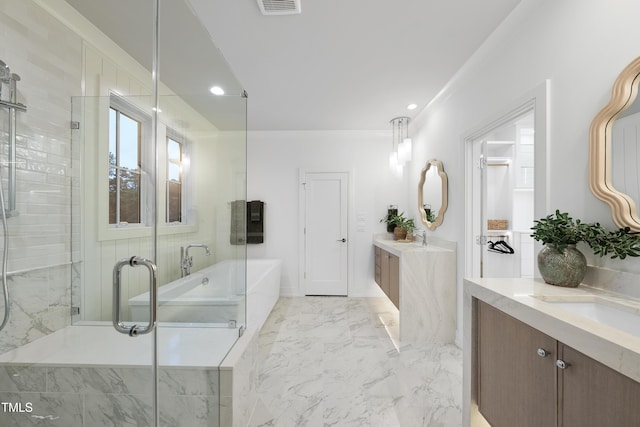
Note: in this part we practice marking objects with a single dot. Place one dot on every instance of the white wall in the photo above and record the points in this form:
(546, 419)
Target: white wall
(274, 160)
(579, 45)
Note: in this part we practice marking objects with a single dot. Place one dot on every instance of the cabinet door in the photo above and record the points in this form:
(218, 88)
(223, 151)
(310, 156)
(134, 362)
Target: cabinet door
(384, 272)
(516, 386)
(378, 274)
(394, 280)
(592, 394)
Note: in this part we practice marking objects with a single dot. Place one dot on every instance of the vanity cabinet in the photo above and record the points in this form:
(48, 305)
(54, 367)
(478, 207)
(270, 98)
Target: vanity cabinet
(387, 274)
(516, 386)
(592, 394)
(519, 382)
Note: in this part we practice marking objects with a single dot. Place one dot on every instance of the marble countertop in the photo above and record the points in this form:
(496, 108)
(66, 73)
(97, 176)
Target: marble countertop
(397, 247)
(524, 299)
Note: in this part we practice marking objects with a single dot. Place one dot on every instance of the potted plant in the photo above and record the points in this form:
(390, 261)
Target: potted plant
(408, 226)
(560, 263)
(402, 226)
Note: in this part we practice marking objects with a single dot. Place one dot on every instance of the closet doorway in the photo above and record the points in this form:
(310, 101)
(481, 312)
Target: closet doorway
(506, 191)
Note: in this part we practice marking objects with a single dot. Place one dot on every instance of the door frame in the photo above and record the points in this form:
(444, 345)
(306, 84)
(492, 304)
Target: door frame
(538, 101)
(300, 289)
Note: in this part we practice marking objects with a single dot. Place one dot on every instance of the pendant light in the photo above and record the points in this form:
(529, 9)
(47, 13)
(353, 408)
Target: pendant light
(401, 145)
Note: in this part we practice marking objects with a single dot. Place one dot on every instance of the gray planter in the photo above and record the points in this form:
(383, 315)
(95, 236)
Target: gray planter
(566, 268)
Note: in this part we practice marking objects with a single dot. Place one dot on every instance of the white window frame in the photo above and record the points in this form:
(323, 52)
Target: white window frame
(184, 176)
(108, 231)
(146, 159)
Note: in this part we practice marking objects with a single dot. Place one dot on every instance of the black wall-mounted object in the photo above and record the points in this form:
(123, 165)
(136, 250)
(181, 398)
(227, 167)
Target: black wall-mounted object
(391, 211)
(255, 221)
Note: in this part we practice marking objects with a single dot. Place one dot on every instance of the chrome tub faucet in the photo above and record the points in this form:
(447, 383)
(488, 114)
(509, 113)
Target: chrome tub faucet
(186, 261)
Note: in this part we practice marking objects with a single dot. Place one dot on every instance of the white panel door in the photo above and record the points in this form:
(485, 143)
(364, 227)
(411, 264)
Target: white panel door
(325, 234)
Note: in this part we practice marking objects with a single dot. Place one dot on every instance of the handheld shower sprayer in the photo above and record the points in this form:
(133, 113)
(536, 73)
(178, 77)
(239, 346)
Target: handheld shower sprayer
(8, 99)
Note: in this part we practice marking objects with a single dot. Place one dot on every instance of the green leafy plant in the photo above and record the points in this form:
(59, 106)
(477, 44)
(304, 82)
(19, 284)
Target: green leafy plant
(562, 230)
(399, 220)
(408, 225)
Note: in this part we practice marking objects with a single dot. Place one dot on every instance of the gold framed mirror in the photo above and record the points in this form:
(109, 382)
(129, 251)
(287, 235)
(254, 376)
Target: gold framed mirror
(614, 150)
(432, 194)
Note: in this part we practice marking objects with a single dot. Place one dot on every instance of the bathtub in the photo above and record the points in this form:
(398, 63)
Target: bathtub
(216, 294)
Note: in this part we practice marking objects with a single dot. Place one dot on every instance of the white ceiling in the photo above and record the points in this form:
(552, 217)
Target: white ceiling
(339, 65)
(346, 64)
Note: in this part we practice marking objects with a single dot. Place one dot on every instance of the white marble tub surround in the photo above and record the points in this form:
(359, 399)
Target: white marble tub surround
(528, 301)
(427, 288)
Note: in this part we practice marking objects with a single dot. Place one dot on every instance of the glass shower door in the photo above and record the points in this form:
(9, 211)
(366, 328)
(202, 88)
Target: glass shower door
(201, 237)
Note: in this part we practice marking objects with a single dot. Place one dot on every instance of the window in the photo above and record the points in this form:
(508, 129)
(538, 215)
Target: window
(174, 180)
(125, 190)
(132, 174)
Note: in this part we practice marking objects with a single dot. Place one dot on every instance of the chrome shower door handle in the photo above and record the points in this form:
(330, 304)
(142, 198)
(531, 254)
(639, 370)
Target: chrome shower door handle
(135, 330)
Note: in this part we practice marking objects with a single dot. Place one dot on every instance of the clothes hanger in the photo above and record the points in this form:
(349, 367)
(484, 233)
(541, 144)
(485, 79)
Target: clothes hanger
(500, 247)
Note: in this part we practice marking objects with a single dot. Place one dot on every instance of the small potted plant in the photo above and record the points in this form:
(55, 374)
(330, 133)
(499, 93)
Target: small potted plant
(560, 263)
(403, 227)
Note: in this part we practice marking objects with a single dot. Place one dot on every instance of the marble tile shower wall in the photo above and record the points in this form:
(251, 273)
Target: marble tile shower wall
(47, 56)
(113, 396)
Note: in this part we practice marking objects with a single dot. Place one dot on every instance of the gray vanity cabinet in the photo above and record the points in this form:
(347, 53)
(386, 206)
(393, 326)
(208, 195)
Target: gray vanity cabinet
(592, 394)
(516, 386)
(387, 274)
(520, 384)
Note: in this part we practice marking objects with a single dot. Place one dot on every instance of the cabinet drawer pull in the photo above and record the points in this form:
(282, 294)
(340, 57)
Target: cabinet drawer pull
(542, 352)
(562, 364)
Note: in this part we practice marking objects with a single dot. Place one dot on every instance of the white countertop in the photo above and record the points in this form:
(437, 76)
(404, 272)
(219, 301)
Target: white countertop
(397, 247)
(524, 300)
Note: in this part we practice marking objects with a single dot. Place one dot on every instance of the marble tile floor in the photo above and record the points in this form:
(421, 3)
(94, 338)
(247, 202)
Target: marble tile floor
(335, 361)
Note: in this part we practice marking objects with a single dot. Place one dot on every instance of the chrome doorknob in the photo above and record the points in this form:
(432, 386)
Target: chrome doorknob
(562, 364)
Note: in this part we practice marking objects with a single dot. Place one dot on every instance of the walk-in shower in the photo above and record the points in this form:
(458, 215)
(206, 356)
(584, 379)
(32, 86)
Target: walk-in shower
(8, 101)
(112, 172)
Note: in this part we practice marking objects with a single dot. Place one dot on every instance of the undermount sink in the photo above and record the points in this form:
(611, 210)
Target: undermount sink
(617, 314)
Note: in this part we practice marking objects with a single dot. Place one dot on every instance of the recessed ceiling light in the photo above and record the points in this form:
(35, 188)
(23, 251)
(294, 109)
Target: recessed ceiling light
(412, 106)
(216, 90)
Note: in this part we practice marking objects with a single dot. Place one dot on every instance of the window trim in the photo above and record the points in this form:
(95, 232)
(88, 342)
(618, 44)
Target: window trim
(119, 169)
(172, 134)
(110, 232)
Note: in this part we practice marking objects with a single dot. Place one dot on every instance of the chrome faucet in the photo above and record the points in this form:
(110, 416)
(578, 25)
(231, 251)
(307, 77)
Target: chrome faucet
(424, 236)
(186, 261)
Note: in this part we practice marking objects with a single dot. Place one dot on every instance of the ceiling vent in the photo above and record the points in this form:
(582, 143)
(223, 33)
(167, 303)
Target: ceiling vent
(279, 7)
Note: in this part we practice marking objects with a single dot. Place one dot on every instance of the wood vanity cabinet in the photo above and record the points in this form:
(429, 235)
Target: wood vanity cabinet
(516, 386)
(387, 274)
(519, 383)
(592, 394)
